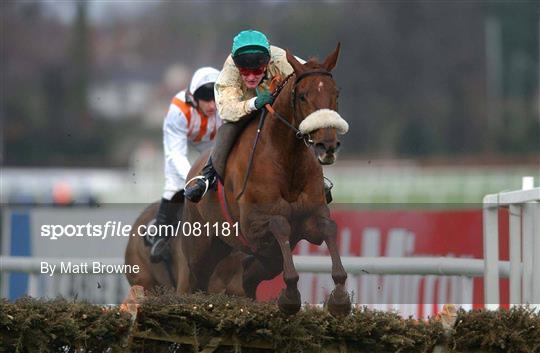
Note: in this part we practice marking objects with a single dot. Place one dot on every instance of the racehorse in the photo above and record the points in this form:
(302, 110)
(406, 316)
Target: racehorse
(283, 200)
(227, 278)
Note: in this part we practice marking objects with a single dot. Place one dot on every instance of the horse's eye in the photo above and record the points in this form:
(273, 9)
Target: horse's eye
(302, 97)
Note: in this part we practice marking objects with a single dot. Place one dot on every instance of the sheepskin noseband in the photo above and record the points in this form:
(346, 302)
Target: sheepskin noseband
(324, 118)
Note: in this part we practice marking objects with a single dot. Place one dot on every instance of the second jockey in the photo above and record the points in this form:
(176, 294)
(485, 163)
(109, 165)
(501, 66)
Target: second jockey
(192, 120)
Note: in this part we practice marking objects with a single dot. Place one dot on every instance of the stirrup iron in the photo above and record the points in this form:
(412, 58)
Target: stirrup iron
(206, 182)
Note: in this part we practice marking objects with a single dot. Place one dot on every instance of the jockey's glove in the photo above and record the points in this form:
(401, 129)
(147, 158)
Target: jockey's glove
(263, 97)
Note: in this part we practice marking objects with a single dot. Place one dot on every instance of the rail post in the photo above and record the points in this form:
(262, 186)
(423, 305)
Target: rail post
(524, 244)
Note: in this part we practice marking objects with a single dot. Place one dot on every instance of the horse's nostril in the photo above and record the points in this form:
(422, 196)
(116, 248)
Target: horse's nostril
(320, 146)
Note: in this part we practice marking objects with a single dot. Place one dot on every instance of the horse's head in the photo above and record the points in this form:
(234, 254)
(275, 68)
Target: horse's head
(315, 102)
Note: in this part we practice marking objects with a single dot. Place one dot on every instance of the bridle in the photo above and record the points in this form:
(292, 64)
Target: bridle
(299, 135)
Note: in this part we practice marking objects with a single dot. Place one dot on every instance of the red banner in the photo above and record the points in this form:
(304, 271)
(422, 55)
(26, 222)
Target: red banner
(403, 234)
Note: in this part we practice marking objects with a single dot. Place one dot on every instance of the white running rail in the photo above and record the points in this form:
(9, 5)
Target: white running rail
(524, 244)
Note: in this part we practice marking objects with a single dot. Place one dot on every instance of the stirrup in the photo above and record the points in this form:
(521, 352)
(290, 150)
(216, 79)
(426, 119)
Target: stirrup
(328, 185)
(206, 183)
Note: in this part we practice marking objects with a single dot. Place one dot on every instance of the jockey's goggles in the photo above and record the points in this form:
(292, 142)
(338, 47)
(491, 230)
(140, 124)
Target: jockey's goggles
(251, 60)
(256, 71)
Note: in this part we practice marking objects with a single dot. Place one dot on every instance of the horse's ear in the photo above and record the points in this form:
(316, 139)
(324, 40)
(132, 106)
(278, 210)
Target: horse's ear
(296, 65)
(330, 61)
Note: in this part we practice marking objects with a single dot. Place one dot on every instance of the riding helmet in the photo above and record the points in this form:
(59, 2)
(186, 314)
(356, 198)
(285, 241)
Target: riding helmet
(250, 49)
(202, 83)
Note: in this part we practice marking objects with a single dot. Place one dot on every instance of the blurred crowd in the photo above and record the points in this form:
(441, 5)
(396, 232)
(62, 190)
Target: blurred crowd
(89, 82)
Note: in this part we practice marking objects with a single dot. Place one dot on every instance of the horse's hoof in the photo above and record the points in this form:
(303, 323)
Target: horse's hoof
(339, 302)
(289, 304)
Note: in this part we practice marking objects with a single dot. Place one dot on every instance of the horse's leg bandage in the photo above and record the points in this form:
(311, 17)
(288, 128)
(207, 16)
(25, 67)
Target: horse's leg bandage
(324, 118)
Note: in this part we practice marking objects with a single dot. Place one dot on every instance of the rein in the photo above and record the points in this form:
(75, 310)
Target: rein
(252, 153)
(299, 135)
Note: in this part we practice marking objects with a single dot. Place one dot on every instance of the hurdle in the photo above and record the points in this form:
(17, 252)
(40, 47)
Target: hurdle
(524, 244)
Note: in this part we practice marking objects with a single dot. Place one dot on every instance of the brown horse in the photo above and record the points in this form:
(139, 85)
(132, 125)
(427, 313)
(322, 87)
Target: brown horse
(227, 278)
(284, 199)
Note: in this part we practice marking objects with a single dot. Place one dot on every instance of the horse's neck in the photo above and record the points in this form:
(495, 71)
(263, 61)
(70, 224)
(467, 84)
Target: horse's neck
(282, 135)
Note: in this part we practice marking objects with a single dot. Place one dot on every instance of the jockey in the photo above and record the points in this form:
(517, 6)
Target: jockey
(192, 119)
(242, 87)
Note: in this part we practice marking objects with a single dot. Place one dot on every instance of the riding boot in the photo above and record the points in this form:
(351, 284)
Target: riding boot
(199, 185)
(166, 217)
(215, 167)
(328, 185)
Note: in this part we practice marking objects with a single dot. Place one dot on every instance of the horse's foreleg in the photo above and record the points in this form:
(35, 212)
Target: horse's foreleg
(329, 229)
(339, 302)
(289, 299)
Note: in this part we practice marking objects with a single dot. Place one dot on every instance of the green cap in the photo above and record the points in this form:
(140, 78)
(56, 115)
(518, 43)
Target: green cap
(249, 42)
